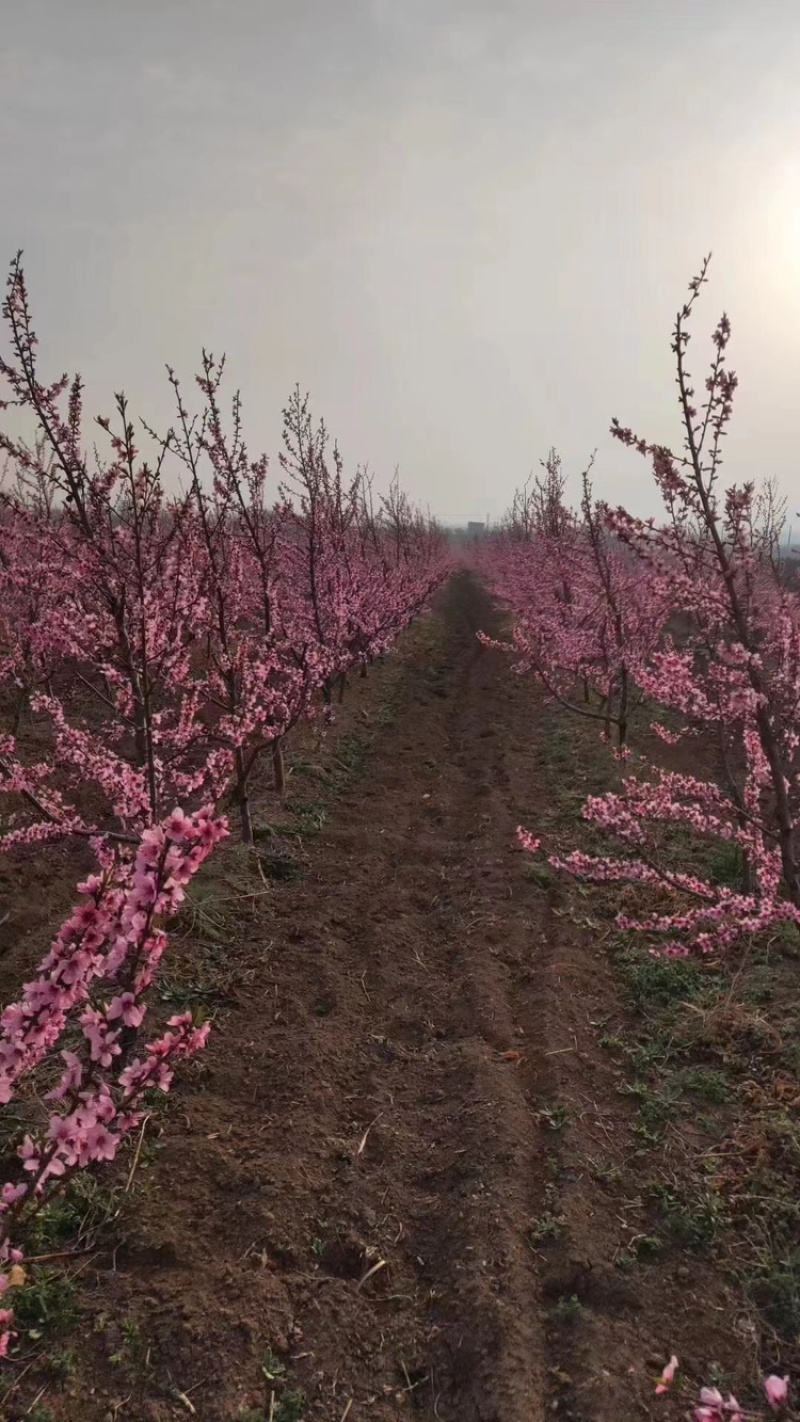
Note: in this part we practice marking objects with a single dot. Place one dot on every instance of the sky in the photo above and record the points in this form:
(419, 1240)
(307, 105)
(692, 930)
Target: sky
(465, 228)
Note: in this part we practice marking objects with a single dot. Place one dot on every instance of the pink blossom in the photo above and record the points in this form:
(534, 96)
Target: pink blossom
(777, 1391)
(6, 1335)
(126, 1007)
(667, 1376)
(711, 1396)
(102, 1145)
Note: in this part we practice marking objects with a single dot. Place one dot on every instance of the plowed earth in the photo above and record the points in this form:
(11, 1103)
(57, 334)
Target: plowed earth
(397, 1182)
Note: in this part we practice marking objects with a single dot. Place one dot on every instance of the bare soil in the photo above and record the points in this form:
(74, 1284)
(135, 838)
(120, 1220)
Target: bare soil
(402, 1178)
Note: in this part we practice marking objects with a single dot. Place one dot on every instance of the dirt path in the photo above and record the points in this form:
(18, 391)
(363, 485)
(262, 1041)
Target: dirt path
(365, 1183)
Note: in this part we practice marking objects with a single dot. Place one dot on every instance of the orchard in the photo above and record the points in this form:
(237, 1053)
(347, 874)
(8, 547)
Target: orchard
(177, 620)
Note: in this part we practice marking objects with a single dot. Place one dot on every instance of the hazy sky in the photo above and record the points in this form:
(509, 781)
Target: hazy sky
(464, 227)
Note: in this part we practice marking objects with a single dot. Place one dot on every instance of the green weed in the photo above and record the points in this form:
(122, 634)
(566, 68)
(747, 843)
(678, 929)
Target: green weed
(184, 995)
(610, 1042)
(725, 864)
(549, 1224)
(46, 1301)
(655, 1109)
(540, 874)
(281, 868)
(272, 1367)
(774, 1286)
(694, 1218)
(705, 1083)
(566, 1310)
(552, 1118)
(291, 1407)
(61, 1363)
(651, 983)
(134, 1351)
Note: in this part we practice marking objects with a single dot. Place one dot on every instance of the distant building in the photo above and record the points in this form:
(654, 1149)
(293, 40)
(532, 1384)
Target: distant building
(474, 529)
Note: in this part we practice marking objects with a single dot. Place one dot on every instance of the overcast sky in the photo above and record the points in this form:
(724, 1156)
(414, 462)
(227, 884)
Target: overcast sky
(464, 227)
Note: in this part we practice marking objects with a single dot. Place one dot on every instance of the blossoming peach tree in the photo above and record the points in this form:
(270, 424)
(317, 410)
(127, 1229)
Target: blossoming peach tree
(584, 613)
(720, 658)
(166, 641)
(152, 646)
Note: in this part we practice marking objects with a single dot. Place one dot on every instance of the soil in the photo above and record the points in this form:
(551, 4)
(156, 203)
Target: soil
(400, 1180)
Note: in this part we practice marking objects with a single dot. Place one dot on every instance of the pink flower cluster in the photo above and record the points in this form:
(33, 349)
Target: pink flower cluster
(91, 992)
(714, 1407)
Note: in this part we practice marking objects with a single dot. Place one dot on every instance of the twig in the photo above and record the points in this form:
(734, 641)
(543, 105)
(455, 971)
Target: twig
(260, 869)
(346, 1412)
(16, 1381)
(363, 1141)
(435, 1396)
(381, 1264)
(181, 1396)
(62, 1254)
(40, 1394)
(412, 1385)
(133, 1168)
(96, 1255)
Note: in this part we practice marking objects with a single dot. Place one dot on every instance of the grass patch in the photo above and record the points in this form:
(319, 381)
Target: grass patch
(650, 984)
(693, 1217)
(703, 1084)
(709, 1050)
(183, 995)
(724, 864)
(47, 1301)
(281, 867)
(774, 1287)
(655, 1109)
(540, 874)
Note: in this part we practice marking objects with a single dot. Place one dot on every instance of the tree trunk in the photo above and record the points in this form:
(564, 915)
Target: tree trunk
(243, 799)
(279, 768)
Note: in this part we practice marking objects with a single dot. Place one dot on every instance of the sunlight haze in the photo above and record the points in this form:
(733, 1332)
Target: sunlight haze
(464, 228)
